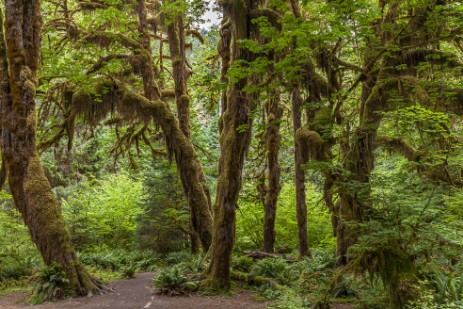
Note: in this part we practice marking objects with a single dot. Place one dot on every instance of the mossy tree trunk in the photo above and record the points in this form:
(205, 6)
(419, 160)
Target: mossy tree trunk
(235, 137)
(32, 193)
(177, 132)
(181, 73)
(299, 179)
(354, 204)
(394, 264)
(354, 192)
(274, 115)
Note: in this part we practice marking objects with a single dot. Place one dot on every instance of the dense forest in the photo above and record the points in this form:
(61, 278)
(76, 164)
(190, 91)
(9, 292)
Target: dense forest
(309, 151)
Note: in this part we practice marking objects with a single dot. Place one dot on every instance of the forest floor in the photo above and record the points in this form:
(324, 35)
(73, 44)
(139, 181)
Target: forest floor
(137, 294)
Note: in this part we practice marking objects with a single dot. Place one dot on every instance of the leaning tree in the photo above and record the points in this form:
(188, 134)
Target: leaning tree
(20, 49)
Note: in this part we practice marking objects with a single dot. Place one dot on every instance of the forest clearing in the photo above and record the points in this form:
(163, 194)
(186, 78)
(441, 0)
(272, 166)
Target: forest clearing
(272, 154)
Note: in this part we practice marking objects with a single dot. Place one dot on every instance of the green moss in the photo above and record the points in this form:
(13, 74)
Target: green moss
(311, 144)
(29, 87)
(38, 192)
(255, 280)
(393, 266)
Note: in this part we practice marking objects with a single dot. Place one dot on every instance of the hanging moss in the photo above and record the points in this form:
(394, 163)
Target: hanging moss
(400, 146)
(107, 97)
(312, 145)
(106, 39)
(395, 268)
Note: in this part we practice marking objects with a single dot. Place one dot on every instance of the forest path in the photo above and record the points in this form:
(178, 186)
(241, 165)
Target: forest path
(137, 294)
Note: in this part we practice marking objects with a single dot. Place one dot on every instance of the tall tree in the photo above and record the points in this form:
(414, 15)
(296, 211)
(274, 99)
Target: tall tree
(20, 48)
(181, 72)
(235, 125)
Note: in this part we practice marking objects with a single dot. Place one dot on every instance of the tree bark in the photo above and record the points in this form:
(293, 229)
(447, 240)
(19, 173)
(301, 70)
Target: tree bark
(274, 115)
(299, 181)
(32, 193)
(234, 140)
(176, 37)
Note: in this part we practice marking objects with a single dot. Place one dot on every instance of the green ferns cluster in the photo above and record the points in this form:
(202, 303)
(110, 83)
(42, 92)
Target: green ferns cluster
(51, 283)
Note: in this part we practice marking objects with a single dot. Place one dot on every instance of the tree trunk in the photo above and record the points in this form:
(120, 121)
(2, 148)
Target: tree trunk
(194, 243)
(354, 193)
(234, 141)
(30, 188)
(180, 72)
(274, 115)
(189, 168)
(359, 161)
(176, 37)
(301, 207)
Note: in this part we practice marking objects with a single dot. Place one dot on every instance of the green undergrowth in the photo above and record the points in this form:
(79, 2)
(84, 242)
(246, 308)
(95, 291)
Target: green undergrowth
(181, 273)
(50, 283)
(121, 261)
(310, 282)
(285, 281)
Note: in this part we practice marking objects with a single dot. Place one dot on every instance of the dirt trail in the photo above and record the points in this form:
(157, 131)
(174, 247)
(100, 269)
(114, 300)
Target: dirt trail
(137, 294)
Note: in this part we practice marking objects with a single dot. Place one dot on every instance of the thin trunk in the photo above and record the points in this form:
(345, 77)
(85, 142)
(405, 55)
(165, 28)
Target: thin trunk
(299, 173)
(189, 168)
(301, 207)
(274, 115)
(328, 198)
(234, 141)
(30, 188)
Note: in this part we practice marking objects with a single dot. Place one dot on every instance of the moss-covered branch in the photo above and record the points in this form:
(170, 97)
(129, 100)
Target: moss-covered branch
(400, 146)
(413, 58)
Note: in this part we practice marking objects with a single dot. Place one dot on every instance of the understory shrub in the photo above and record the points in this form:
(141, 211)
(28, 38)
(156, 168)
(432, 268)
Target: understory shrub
(195, 265)
(18, 255)
(104, 212)
(177, 257)
(50, 283)
(121, 260)
(242, 263)
(172, 281)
